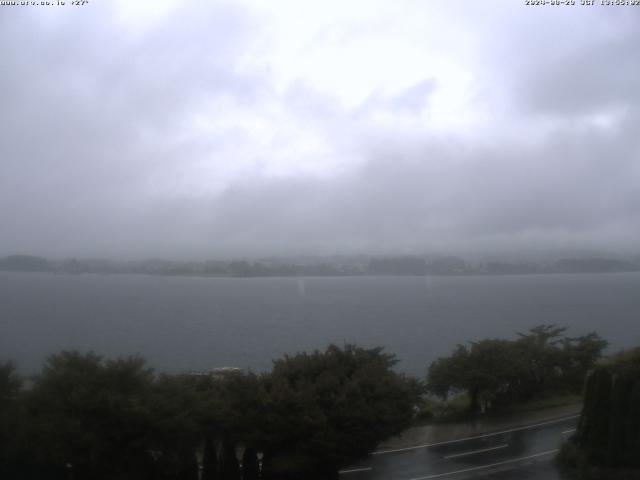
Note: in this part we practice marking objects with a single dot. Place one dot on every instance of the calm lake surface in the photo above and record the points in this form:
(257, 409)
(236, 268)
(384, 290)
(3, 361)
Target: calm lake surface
(188, 323)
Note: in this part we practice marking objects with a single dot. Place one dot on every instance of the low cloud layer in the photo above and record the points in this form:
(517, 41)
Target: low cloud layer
(233, 129)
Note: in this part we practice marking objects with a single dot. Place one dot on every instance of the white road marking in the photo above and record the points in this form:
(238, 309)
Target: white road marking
(427, 445)
(473, 452)
(571, 430)
(354, 470)
(472, 469)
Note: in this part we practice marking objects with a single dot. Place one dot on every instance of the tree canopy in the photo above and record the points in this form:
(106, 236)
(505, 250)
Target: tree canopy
(86, 417)
(327, 408)
(609, 428)
(496, 372)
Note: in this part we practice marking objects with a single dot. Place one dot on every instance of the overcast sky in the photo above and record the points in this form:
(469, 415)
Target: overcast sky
(247, 128)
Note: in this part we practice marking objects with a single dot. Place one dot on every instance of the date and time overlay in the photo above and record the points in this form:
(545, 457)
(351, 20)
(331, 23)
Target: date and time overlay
(561, 3)
(583, 3)
(44, 3)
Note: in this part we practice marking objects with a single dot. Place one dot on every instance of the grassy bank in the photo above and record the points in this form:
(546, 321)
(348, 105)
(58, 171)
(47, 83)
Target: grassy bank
(456, 409)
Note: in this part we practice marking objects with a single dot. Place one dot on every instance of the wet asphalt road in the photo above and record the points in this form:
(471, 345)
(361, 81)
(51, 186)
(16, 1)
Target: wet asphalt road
(521, 453)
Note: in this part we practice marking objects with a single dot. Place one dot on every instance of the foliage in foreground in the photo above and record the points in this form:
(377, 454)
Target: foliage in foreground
(495, 373)
(336, 406)
(85, 417)
(607, 441)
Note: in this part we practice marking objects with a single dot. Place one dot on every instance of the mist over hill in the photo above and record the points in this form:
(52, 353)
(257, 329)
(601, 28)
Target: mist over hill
(322, 266)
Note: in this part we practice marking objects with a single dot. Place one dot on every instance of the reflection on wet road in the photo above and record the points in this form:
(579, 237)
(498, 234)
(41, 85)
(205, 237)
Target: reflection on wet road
(523, 452)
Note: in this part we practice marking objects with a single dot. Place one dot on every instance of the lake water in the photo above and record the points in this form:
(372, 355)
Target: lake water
(189, 323)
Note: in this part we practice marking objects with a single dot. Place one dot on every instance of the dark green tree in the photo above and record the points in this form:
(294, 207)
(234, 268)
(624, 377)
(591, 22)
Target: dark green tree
(328, 408)
(229, 415)
(496, 372)
(12, 428)
(485, 371)
(579, 355)
(608, 434)
(250, 465)
(540, 352)
(229, 466)
(179, 408)
(210, 468)
(91, 416)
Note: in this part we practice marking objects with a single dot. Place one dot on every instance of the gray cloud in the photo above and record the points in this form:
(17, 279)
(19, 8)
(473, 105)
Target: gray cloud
(565, 194)
(99, 154)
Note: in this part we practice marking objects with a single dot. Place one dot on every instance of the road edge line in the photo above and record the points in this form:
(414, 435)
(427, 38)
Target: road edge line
(497, 464)
(475, 437)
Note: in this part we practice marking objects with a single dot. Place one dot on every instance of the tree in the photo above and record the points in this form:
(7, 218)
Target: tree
(10, 384)
(178, 408)
(91, 416)
(228, 416)
(556, 363)
(250, 465)
(229, 466)
(608, 434)
(484, 371)
(11, 421)
(496, 372)
(210, 459)
(580, 354)
(447, 375)
(542, 360)
(328, 408)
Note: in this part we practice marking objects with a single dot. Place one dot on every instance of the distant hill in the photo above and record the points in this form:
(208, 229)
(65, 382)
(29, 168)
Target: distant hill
(24, 263)
(407, 265)
(594, 265)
